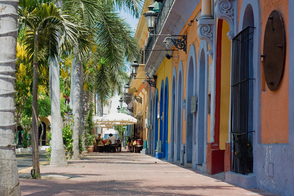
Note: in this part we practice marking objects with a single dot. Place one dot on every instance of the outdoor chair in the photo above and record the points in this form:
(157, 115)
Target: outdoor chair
(107, 146)
(118, 145)
(99, 146)
(112, 147)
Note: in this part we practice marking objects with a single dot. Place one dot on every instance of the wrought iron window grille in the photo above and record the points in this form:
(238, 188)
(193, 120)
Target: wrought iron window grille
(242, 103)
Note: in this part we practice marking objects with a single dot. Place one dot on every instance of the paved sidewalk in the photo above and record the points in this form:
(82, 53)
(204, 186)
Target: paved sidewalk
(126, 174)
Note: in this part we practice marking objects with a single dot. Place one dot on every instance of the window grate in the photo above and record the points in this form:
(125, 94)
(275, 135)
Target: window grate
(242, 93)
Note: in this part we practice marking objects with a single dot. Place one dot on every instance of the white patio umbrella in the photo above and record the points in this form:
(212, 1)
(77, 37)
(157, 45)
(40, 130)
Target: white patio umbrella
(114, 119)
(95, 120)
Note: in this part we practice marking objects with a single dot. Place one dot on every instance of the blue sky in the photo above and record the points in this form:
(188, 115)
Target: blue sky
(129, 19)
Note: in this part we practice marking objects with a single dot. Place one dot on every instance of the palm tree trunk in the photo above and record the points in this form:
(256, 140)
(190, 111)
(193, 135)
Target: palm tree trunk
(42, 132)
(36, 166)
(75, 74)
(9, 181)
(83, 110)
(58, 157)
(100, 112)
(94, 104)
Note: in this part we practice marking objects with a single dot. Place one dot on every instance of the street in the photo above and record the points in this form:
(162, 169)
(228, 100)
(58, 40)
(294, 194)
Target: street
(126, 174)
(25, 160)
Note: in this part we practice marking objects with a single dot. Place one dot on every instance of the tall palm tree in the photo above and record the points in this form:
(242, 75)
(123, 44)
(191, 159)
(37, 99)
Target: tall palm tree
(43, 23)
(104, 24)
(58, 157)
(8, 38)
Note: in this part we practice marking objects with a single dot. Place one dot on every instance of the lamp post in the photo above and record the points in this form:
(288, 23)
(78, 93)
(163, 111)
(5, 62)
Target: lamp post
(118, 109)
(121, 102)
(150, 17)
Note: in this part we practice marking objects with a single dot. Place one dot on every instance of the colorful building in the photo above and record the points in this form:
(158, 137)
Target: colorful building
(221, 88)
(136, 95)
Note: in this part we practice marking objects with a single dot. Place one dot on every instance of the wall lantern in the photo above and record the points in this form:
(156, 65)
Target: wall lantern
(134, 67)
(126, 88)
(150, 17)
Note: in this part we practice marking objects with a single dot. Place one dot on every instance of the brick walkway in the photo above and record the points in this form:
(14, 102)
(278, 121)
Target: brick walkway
(126, 174)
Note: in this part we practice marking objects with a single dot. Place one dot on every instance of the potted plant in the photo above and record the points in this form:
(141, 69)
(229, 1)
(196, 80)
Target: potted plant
(90, 141)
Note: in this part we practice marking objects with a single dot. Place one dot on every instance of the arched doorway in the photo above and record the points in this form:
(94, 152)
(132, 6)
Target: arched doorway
(162, 117)
(166, 106)
(242, 96)
(202, 114)
(189, 115)
(179, 114)
(173, 120)
(156, 120)
(151, 112)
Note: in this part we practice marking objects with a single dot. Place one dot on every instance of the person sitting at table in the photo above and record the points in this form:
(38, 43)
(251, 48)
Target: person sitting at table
(113, 141)
(107, 145)
(100, 140)
(128, 147)
(99, 144)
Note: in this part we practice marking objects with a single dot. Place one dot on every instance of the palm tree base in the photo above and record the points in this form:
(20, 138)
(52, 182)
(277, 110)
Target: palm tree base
(59, 160)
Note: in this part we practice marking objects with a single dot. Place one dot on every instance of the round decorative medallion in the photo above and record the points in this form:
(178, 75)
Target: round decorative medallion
(274, 50)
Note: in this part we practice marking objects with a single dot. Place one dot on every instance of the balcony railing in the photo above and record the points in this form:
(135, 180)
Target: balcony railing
(160, 20)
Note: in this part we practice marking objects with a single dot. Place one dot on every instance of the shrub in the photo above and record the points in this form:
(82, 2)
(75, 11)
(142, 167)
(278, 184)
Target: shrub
(67, 134)
(90, 139)
(89, 122)
(25, 141)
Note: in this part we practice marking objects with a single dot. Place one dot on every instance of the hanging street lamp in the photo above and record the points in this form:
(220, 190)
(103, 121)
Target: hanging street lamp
(150, 17)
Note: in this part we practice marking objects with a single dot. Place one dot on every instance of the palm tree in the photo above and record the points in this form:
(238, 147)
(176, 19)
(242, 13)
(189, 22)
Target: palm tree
(8, 37)
(43, 23)
(113, 38)
(58, 157)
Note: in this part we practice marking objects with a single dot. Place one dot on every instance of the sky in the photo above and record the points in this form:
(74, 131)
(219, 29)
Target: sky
(133, 23)
(129, 19)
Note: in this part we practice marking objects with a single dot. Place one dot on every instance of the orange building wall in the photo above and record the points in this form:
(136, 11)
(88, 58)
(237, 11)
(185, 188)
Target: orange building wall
(275, 104)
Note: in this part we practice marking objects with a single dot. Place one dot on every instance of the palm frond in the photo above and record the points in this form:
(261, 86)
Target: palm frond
(134, 7)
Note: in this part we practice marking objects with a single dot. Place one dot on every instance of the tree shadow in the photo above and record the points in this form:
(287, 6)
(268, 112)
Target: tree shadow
(45, 187)
(97, 183)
